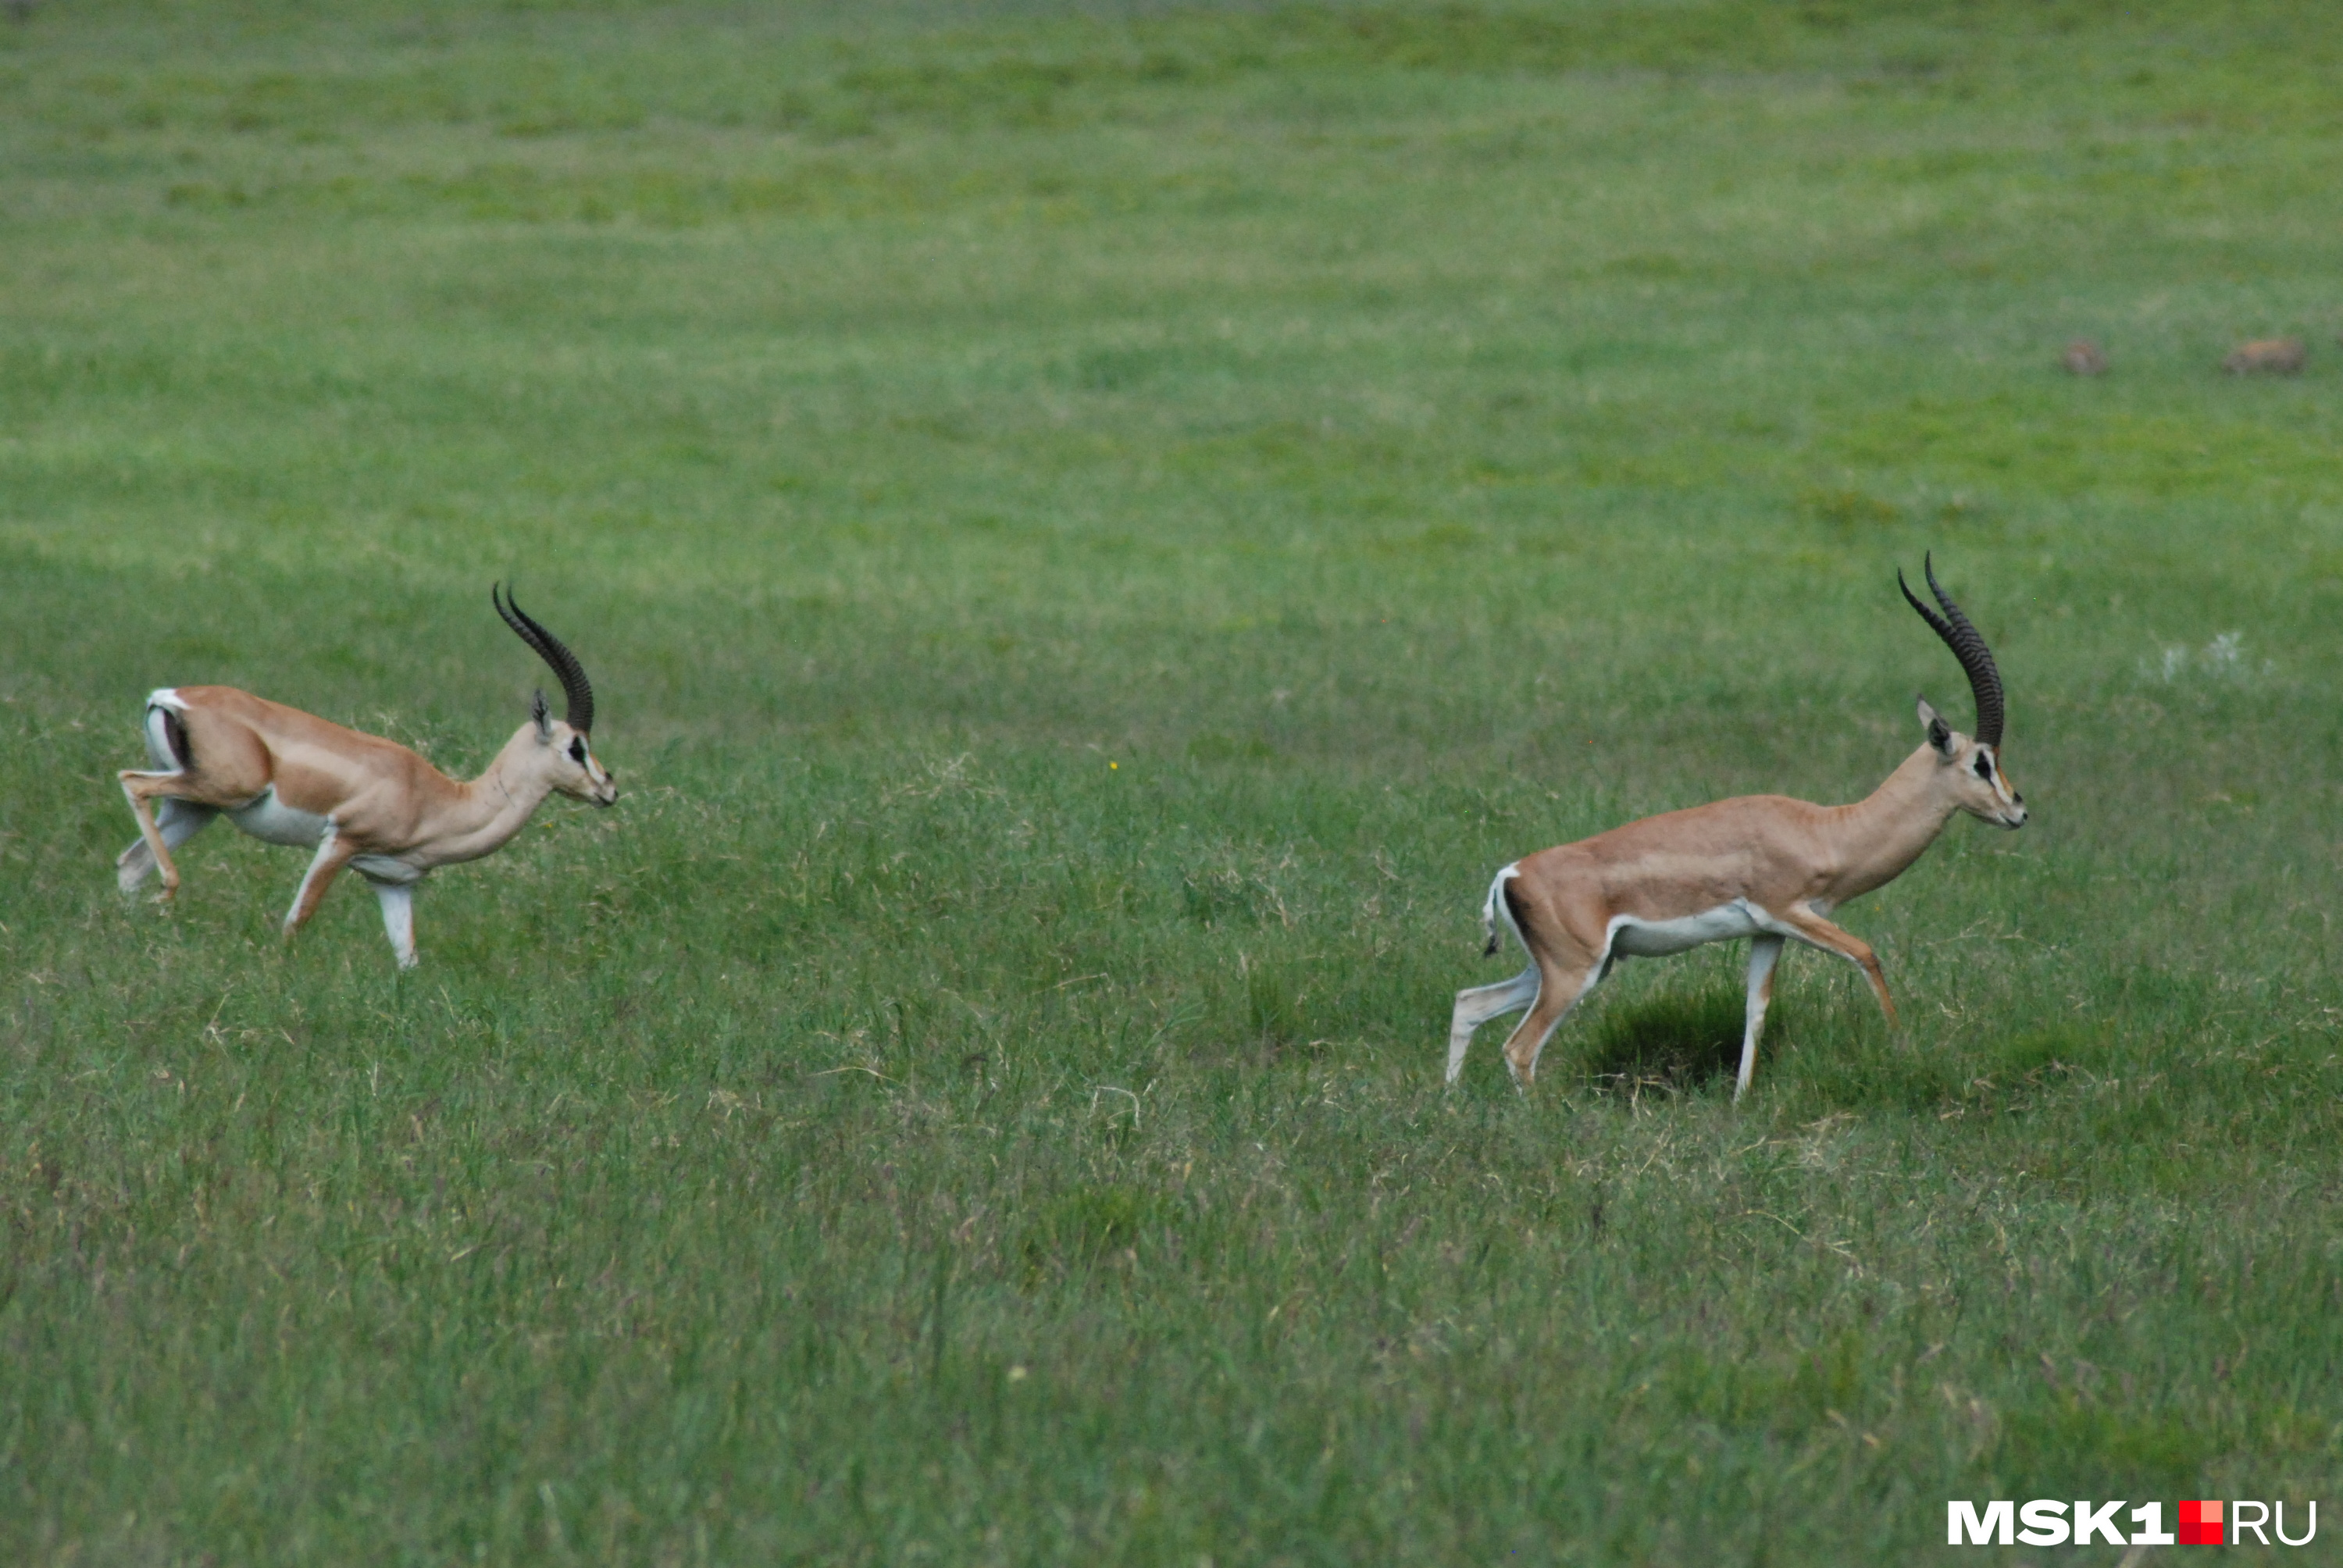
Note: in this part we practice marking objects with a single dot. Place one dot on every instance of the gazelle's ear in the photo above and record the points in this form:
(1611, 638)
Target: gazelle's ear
(1940, 734)
(543, 715)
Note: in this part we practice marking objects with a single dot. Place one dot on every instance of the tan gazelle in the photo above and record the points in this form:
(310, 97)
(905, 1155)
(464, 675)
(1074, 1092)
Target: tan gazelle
(356, 800)
(1764, 867)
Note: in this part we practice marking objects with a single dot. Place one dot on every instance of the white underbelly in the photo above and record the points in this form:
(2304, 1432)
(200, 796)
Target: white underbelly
(383, 869)
(269, 819)
(1634, 936)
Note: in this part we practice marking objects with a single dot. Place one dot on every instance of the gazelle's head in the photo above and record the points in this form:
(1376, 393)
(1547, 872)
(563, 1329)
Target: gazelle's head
(1971, 773)
(1968, 765)
(567, 754)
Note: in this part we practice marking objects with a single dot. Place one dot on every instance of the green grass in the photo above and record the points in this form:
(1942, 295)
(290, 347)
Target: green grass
(1095, 533)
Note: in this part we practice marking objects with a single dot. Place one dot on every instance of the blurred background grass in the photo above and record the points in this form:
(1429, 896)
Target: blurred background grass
(1096, 529)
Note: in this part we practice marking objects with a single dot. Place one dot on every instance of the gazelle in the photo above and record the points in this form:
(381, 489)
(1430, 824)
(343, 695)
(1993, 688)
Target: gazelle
(358, 800)
(1763, 867)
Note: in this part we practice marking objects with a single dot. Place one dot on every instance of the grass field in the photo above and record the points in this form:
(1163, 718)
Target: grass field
(1095, 533)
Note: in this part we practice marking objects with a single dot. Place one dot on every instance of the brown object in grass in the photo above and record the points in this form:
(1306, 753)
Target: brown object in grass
(2266, 356)
(2083, 359)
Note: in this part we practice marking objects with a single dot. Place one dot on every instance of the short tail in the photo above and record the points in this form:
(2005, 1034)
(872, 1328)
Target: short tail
(166, 733)
(1498, 904)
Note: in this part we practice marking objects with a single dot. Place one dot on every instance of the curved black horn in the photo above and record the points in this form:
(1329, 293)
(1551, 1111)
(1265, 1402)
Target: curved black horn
(577, 691)
(1985, 680)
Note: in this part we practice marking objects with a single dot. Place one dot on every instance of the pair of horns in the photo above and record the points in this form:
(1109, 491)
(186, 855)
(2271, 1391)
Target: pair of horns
(577, 691)
(1985, 680)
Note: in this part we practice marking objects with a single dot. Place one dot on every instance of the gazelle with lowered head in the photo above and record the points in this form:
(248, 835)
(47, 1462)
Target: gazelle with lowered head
(1764, 867)
(356, 800)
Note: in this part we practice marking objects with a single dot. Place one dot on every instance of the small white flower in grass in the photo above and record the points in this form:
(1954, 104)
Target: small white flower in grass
(2223, 658)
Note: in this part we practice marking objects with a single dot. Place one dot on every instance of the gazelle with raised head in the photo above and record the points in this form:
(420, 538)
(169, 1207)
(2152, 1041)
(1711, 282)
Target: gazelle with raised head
(1764, 867)
(355, 799)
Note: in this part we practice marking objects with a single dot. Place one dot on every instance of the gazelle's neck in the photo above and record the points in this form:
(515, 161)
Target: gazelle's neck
(1886, 832)
(491, 808)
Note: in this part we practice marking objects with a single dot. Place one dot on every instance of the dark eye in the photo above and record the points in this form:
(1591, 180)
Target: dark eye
(578, 751)
(1984, 767)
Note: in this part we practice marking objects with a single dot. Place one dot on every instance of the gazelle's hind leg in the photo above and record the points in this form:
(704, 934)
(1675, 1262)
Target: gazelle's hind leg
(142, 790)
(1560, 990)
(1764, 951)
(1478, 1005)
(178, 820)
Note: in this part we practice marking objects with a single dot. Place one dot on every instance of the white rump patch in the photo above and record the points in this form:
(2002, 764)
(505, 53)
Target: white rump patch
(1495, 906)
(159, 755)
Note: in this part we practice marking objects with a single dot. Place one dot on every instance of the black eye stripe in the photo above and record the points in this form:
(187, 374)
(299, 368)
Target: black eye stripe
(1984, 766)
(578, 750)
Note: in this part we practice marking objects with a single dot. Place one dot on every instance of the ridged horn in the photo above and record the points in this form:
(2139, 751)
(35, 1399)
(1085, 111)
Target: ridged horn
(1976, 658)
(577, 691)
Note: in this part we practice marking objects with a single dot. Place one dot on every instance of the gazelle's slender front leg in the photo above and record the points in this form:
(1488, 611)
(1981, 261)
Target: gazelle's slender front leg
(334, 852)
(398, 900)
(1819, 932)
(1478, 1005)
(1764, 951)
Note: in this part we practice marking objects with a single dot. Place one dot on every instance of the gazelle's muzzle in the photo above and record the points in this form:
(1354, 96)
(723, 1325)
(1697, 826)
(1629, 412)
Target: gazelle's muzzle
(2012, 814)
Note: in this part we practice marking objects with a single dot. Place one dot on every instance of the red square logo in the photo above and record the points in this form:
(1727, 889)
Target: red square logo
(2200, 1524)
